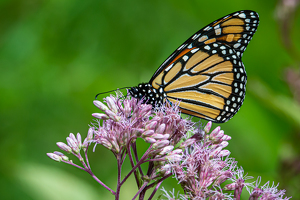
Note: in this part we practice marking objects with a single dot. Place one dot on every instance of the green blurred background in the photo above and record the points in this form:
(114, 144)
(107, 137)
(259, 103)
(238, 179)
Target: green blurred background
(56, 55)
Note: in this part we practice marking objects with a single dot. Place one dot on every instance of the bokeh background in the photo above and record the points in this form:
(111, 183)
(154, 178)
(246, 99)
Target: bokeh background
(56, 55)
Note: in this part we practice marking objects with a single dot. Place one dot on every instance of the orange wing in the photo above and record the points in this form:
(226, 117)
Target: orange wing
(206, 73)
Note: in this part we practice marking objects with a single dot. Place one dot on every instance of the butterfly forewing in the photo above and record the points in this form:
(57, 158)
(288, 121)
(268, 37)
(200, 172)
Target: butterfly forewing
(235, 30)
(206, 73)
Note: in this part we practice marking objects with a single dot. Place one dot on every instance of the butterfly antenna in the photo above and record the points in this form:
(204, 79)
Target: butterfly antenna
(110, 91)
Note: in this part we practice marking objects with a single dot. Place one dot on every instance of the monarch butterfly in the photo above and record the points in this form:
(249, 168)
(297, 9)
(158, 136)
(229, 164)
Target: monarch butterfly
(205, 74)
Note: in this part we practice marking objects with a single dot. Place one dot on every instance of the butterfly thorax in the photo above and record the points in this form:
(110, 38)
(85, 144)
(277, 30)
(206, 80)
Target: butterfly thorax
(149, 94)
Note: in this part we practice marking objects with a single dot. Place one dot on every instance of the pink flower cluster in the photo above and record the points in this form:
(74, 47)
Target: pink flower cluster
(206, 165)
(129, 119)
(196, 157)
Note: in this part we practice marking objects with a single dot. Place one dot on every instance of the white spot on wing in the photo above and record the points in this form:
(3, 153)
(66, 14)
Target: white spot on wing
(242, 15)
(195, 36)
(207, 47)
(218, 31)
(168, 68)
(203, 38)
(185, 58)
(207, 28)
(236, 45)
(181, 47)
(195, 50)
(218, 26)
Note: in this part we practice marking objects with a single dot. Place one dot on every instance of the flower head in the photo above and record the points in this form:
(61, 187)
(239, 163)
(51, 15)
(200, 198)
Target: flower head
(161, 126)
(205, 165)
(196, 156)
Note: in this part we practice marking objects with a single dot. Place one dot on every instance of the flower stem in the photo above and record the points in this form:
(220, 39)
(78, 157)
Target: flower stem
(140, 190)
(136, 157)
(155, 190)
(132, 165)
(138, 164)
(119, 160)
(86, 157)
(100, 182)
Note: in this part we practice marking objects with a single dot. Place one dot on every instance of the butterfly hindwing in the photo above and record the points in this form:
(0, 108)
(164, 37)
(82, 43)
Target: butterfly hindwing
(209, 82)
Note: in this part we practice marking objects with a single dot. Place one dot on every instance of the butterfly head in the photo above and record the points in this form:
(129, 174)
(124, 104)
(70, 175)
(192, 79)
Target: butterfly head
(146, 92)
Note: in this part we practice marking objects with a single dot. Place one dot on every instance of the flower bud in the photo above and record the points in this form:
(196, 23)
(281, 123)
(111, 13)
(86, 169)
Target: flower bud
(58, 153)
(219, 135)
(73, 144)
(145, 110)
(151, 125)
(100, 105)
(215, 132)
(150, 140)
(112, 115)
(160, 136)
(160, 143)
(173, 158)
(230, 187)
(72, 136)
(224, 153)
(111, 104)
(79, 140)
(100, 116)
(105, 143)
(223, 144)
(215, 152)
(115, 146)
(148, 133)
(85, 143)
(177, 151)
(54, 157)
(187, 143)
(124, 139)
(64, 147)
(166, 150)
(90, 134)
(226, 138)
(207, 127)
(65, 158)
(127, 108)
(148, 114)
(160, 129)
(156, 118)
(137, 131)
(166, 169)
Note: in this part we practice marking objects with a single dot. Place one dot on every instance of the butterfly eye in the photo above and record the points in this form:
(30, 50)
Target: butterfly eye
(206, 73)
